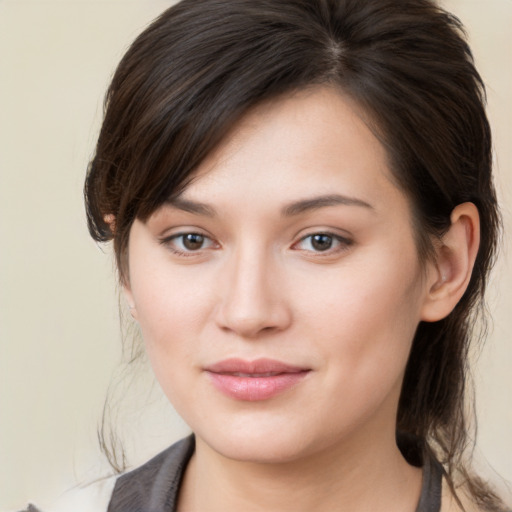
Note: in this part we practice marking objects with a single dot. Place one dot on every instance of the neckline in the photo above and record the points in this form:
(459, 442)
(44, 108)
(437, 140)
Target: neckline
(155, 486)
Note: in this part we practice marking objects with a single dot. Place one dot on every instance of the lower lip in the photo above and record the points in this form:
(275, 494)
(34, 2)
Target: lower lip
(252, 389)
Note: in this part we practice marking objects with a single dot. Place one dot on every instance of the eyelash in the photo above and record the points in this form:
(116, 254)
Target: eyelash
(342, 243)
(170, 242)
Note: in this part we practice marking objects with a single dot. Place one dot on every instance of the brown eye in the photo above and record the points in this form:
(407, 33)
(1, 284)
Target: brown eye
(188, 243)
(321, 242)
(329, 243)
(193, 241)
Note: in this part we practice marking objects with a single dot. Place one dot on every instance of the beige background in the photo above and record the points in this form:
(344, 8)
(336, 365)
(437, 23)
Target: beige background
(59, 332)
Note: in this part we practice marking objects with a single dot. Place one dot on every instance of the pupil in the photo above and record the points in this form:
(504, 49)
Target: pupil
(321, 242)
(193, 241)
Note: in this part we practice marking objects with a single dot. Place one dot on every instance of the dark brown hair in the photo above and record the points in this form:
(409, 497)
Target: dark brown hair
(202, 64)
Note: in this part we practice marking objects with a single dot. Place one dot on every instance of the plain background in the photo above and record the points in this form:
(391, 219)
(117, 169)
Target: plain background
(59, 327)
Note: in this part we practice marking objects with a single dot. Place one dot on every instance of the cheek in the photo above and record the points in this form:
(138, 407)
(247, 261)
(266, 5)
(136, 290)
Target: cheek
(172, 311)
(168, 307)
(167, 320)
(365, 318)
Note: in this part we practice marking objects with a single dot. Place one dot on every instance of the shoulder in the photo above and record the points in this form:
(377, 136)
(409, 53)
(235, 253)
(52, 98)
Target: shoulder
(157, 481)
(450, 503)
(467, 504)
(155, 484)
(93, 497)
(168, 464)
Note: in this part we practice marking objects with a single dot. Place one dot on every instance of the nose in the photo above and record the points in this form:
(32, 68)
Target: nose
(253, 303)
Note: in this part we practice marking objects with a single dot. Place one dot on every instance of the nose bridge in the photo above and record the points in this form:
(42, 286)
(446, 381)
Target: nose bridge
(252, 300)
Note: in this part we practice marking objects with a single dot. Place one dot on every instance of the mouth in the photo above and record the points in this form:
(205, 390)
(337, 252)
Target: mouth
(257, 380)
(252, 375)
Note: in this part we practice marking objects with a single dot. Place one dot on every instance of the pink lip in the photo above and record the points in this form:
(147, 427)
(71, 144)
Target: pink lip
(254, 380)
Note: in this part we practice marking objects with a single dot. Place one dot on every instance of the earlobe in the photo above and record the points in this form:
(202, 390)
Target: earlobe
(456, 257)
(129, 300)
(133, 311)
(128, 295)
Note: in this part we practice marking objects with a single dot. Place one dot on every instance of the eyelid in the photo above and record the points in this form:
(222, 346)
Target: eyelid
(344, 242)
(168, 240)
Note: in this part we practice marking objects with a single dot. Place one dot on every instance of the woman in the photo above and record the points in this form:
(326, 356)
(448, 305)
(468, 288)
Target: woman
(300, 199)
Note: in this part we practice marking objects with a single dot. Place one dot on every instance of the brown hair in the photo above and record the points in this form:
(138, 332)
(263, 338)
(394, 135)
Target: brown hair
(202, 64)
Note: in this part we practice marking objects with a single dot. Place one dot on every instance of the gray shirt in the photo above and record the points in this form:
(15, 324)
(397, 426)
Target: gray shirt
(154, 487)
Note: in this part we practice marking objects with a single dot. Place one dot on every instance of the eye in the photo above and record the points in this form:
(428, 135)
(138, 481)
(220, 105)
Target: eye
(186, 243)
(192, 241)
(322, 242)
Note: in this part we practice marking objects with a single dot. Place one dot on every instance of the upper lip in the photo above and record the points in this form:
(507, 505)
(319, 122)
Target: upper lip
(258, 366)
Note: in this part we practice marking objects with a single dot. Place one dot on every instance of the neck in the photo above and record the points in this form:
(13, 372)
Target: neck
(355, 475)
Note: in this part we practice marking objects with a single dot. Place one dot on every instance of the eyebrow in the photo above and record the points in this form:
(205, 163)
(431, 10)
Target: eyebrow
(314, 203)
(289, 210)
(192, 207)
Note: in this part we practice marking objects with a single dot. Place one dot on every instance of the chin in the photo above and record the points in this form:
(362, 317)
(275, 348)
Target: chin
(260, 450)
(260, 443)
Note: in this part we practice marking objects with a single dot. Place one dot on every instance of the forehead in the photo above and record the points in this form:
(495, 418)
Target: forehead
(313, 142)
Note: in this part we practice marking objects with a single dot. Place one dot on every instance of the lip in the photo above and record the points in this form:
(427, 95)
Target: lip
(256, 380)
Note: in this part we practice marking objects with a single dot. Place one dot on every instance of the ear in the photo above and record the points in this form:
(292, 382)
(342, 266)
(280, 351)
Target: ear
(456, 254)
(110, 219)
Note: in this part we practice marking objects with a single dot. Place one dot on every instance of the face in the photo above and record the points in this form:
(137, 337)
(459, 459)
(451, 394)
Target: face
(279, 294)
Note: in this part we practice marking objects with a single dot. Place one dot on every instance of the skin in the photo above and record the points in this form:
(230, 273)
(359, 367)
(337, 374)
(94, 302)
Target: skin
(255, 286)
